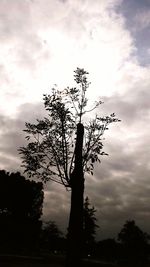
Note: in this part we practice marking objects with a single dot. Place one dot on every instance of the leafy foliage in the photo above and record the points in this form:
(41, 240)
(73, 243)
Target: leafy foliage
(50, 151)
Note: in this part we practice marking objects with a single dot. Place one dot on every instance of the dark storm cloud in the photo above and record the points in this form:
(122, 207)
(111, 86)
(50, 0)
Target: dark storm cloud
(120, 187)
(56, 204)
(132, 106)
(120, 196)
(12, 135)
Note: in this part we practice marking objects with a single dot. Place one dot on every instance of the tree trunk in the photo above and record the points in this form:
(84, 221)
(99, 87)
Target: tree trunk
(75, 229)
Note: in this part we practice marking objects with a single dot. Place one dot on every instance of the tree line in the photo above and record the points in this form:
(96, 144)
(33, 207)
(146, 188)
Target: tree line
(22, 230)
(21, 227)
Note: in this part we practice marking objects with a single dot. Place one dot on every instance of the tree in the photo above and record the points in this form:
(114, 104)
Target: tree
(20, 197)
(89, 226)
(134, 241)
(21, 203)
(62, 147)
(51, 237)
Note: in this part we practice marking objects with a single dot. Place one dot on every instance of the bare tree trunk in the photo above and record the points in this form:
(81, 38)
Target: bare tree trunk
(75, 229)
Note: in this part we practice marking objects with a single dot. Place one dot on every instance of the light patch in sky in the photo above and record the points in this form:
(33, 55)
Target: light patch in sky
(54, 38)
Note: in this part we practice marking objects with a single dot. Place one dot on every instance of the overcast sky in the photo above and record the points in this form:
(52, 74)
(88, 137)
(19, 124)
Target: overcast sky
(42, 42)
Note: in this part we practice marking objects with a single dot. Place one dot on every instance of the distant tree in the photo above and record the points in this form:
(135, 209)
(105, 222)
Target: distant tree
(62, 148)
(134, 240)
(89, 226)
(51, 237)
(21, 203)
(132, 234)
(20, 197)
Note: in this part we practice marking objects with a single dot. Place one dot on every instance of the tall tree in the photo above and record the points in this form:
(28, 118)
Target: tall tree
(62, 147)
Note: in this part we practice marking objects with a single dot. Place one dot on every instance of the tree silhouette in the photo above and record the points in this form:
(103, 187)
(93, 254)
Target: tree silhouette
(89, 226)
(51, 237)
(20, 197)
(62, 147)
(134, 241)
(20, 210)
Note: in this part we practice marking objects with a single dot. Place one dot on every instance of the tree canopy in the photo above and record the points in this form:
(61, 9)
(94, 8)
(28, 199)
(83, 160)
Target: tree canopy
(50, 152)
(134, 242)
(132, 235)
(21, 203)
(20, 197)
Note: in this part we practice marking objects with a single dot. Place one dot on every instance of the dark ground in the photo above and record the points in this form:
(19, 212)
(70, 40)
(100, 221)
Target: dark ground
(53, 261)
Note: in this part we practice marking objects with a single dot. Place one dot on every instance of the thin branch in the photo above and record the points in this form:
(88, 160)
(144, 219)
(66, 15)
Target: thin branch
(96, 105)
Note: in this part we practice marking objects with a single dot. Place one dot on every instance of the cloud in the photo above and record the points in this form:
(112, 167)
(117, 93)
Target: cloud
(47, 41)
(142, 19)
(56, 205)
(12, 135)
(120, 186)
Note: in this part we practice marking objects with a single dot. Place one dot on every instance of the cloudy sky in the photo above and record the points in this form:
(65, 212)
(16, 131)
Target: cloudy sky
(42, 42)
